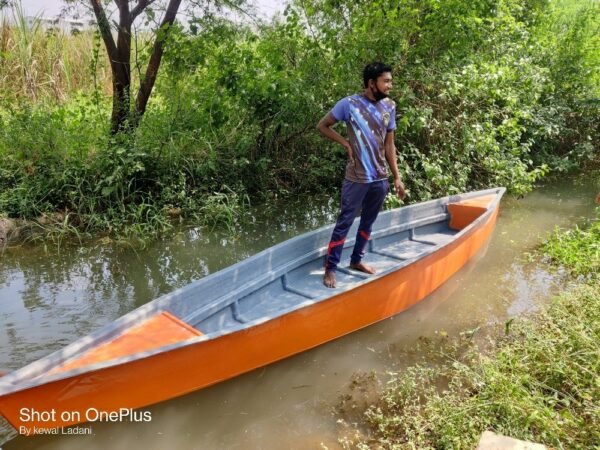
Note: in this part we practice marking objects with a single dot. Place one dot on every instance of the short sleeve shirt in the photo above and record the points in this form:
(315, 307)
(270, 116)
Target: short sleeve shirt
(368, 123)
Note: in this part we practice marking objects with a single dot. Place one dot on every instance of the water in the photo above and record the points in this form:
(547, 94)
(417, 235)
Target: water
(48, 298)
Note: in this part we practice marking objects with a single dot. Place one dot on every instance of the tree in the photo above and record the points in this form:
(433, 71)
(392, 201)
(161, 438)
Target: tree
(119, 55)
(125, 113)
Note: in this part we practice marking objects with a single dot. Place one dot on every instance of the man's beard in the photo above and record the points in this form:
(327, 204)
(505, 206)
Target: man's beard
(378, 94)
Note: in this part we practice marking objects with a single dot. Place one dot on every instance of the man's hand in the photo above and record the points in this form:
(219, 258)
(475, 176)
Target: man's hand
(325, 129)
(399, 188)
(348, 148)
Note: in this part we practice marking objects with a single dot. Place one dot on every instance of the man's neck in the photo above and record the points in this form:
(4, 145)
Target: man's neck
(367, 93)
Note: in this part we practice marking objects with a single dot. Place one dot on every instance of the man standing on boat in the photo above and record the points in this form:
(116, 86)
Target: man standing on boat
(371, 120)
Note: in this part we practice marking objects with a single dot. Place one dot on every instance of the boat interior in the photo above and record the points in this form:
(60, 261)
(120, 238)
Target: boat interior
(399, 238)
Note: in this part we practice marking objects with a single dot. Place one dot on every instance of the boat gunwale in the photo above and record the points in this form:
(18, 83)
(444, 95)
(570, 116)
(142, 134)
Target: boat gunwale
(7, 386)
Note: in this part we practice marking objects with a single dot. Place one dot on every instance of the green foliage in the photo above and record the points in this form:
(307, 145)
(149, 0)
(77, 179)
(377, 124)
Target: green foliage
(223, 208)
(392, 201)
(578, 250)
(44, 155)
(538, 383)
(487, 92)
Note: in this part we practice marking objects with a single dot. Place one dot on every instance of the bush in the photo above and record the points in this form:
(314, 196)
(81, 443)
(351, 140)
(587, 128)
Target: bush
(488, 93)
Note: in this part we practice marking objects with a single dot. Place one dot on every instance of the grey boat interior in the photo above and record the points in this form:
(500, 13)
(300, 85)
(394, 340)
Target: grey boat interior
(292, 272)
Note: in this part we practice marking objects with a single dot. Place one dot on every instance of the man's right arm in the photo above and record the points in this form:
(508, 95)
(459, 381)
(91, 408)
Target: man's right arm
(324, 127)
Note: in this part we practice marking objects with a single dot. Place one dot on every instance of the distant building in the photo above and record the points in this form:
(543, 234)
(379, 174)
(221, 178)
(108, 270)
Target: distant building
(67, 26)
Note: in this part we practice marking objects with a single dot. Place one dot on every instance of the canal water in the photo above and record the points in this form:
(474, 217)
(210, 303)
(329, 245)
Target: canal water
(50, 297)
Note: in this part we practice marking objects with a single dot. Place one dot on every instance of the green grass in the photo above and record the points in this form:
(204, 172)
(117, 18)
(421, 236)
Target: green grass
(578, 250)
(539, 383)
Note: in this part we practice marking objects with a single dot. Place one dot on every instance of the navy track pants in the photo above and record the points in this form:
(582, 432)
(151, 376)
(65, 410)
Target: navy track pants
(366, 196)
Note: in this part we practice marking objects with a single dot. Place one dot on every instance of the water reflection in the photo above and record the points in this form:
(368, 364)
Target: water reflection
(50, 297)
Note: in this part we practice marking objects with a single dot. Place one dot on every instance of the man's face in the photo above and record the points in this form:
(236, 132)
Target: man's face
(382, 86)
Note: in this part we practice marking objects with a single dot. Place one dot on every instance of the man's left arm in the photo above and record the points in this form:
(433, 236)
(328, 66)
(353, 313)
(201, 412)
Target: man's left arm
(390, 156)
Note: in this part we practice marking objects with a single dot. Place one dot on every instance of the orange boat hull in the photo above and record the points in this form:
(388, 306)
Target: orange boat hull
(173, 373)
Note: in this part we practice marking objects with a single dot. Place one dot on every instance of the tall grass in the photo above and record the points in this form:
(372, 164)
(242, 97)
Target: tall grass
(577, 250)
(539, 384)
(39, 64)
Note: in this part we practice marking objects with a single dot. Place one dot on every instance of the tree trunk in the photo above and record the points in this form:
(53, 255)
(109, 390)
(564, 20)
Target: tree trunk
(122, 71)
(121, 102)
(119, 55)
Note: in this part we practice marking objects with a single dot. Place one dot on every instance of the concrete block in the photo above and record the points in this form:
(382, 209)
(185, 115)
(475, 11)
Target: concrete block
(493, 441)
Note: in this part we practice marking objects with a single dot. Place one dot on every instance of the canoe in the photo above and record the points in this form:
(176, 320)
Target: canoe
(260, 310)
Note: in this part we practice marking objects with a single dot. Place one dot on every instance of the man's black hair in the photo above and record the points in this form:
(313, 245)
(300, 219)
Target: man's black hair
(373, 71)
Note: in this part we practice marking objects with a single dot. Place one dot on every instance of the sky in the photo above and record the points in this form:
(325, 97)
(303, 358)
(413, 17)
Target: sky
(51, 8)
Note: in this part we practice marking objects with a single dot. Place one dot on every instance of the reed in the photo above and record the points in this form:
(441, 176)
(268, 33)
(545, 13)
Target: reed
(43, 65)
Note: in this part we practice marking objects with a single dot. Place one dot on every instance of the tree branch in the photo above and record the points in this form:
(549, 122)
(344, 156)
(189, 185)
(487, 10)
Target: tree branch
(233, 4)
(141, 5)
(152, 70)
(104, 27)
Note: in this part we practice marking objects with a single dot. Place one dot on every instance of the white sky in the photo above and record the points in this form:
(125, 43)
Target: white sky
(47, 8)
(51, 8)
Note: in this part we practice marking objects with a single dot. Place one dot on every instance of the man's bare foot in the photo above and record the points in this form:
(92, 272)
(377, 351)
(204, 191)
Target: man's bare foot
(329, 279)
(362, 268)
